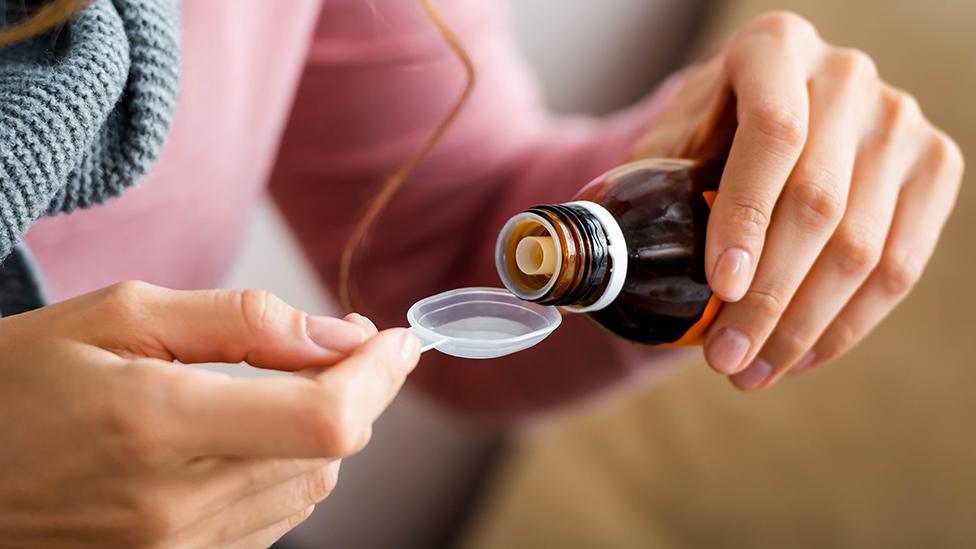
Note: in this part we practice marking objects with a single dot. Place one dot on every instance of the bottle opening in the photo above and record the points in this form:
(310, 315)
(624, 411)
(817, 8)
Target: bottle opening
(536, 255)
(528, 255)
(570, 255)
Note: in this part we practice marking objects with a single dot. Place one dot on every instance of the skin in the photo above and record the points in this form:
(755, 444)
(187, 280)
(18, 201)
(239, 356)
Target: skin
(129, 449)
(832, 201)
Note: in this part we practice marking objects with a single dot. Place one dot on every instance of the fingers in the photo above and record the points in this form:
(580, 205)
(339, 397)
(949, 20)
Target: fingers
(189, 504)
(853, 250)
(281, 503)
(923, 207)
(804, 210)
(266, 537)
(208, 414)
(768, 71)
(807, 214)
(215, 483)
(250, 326)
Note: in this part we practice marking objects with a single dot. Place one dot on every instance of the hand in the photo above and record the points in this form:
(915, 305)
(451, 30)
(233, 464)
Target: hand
(107, 443)
(834, 194)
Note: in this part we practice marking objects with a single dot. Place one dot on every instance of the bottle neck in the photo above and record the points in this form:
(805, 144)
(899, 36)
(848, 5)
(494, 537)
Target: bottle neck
(562, 254)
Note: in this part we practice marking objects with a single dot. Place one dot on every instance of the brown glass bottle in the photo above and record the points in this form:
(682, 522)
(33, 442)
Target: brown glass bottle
(628, 251)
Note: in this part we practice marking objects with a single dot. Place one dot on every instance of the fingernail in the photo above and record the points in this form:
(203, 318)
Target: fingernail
(754, 375)
(334, 334)
(409, 346)
(804, 363)
(361, 320)
(730, 279)
(727, 349)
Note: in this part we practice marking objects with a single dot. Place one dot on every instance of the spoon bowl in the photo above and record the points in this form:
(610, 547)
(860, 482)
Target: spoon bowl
(480, 322)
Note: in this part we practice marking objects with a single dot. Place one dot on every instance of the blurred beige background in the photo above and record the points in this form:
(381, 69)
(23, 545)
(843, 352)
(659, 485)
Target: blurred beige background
(877, 450)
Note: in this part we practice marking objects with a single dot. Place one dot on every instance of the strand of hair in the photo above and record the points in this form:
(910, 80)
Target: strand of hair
(347, 291)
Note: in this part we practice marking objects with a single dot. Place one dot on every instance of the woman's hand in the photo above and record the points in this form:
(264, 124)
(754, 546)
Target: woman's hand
(831, 203)
(107, 443)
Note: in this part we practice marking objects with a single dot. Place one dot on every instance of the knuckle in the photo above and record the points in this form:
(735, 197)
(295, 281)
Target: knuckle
(129, 289)
(348, 435)
(786, 24)
(818, 198)
(337, 428)
(767, 302)
(778, 121)
(789, 343)
(838, 339)
(736, 55)
(898, 274)
(853, 64)
(948, 154)
(900, 117)
(856, 249)
(907, 104)
(127, 298)
(903, 109)
(748, 216)
(256, 308)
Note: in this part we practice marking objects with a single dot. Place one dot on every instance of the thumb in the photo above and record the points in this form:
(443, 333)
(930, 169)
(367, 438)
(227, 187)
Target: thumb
(250, 326)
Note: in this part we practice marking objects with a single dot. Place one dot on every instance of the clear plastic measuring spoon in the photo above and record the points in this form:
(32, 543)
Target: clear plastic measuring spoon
(480, 322)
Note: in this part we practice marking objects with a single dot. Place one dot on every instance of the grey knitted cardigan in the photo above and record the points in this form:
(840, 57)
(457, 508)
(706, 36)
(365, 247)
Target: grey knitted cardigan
(84, 112)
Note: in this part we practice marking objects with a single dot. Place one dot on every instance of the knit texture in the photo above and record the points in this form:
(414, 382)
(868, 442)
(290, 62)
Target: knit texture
(84, 111)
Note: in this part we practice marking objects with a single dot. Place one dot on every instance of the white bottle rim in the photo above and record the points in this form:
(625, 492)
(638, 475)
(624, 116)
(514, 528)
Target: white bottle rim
(617, 249)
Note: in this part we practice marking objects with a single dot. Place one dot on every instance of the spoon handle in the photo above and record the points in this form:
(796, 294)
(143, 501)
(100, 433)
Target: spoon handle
(426, 343)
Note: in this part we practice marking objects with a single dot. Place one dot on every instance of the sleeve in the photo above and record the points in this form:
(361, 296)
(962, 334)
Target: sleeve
(84, 112)
(366, 102)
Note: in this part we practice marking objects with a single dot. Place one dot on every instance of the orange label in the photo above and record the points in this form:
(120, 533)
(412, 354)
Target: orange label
(709, 197)
(696, 334)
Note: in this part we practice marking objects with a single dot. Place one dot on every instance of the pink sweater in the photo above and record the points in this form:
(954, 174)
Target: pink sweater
(365, 88)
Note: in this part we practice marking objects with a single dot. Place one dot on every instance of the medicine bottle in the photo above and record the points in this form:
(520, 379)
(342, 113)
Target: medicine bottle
(628, 251)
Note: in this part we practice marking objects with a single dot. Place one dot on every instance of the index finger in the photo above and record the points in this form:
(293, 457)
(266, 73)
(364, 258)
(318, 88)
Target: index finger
(768, 74)
(330, 416)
